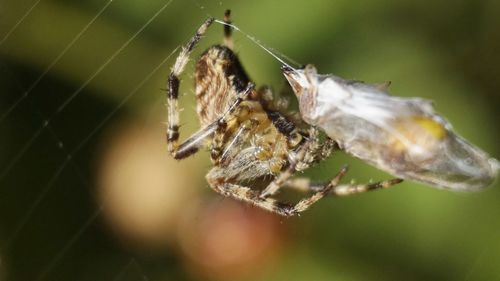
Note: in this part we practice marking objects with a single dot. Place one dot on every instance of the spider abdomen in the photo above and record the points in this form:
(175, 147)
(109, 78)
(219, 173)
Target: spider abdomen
(218, 77)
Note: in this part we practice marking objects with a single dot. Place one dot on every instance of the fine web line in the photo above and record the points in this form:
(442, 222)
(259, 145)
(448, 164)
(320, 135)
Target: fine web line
(54, 62)
(271, 51)
(18, 23)
(132, 264)
(46, 122)
(69, 244)
(124, 270)
(37, 201)
(280, 57)
(61, 168)
(121, 273)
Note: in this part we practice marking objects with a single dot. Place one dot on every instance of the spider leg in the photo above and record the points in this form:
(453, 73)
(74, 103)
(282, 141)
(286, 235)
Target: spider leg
(228, 30)
(326, 149)
(233, 145)
(306, 203)
(246, 165)
(193, 143)
(173, 87)
(246, 194)
(311, 152)
(218, 140)
(317, 151)
(305, 185)
(349, 189)
(283, 176)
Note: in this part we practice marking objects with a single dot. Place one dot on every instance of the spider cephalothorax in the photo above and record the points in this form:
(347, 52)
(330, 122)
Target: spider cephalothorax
(248, 132)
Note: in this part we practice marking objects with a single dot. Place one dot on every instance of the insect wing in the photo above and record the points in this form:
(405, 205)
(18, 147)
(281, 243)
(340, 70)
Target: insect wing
(402, 136)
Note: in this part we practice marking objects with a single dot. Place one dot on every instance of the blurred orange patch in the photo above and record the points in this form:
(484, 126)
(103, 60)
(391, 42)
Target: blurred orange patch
(141, 188)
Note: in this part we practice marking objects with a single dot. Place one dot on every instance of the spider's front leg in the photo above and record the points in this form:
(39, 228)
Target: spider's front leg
(224, 150)
(305, 185)
(193, 143)
(189, 146)
(248, 195)
(316, 153)
(223, 180)
(245, 194)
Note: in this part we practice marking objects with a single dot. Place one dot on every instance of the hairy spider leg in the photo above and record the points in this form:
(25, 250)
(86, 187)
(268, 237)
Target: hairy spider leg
(195, 141)
(235, 143)
(248, 195)
(301, 159)
(315, 153)
(304, 185)
(173, 88)
(228, 30)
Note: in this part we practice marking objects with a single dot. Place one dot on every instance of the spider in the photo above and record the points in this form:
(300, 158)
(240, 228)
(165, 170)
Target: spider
(248, 132)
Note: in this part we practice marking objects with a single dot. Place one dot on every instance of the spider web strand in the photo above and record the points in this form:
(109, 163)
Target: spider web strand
(18, 23)
(54, 62)
(37, 133)
(70, 155)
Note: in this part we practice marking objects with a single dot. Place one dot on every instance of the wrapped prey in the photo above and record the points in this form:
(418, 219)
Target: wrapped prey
(402, 136)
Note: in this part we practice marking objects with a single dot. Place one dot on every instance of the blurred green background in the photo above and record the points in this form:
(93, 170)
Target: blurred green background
(58, 223)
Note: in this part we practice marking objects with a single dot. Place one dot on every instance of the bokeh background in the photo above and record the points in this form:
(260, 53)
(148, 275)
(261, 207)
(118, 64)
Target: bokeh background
(88, 192)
